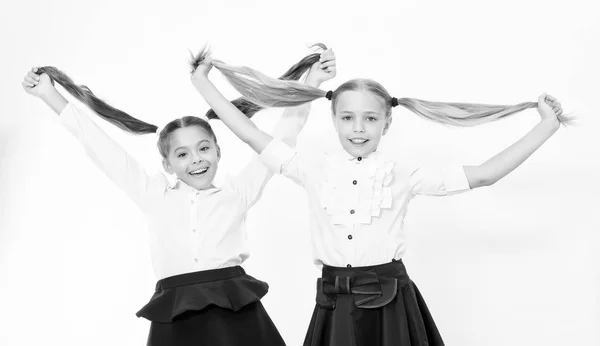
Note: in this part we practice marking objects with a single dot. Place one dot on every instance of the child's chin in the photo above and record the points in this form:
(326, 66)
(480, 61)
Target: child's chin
(359, 152)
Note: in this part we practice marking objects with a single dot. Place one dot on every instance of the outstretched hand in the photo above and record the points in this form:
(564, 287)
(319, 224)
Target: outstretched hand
(37, 85)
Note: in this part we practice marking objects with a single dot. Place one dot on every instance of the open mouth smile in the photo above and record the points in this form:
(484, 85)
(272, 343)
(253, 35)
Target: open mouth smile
(358, 141)
(199, 172)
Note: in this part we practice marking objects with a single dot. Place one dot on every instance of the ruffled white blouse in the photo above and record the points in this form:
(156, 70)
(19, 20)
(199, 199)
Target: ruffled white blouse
(357, 205)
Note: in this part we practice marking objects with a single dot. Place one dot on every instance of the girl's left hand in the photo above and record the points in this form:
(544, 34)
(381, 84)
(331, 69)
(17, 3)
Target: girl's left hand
(323, 70)
(549, 108)
(203, 69)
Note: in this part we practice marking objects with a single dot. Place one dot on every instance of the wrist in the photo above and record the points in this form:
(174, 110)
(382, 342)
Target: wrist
(552, 124)
(48, 94)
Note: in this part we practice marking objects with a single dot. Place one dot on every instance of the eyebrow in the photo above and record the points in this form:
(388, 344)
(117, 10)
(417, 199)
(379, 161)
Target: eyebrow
(202, 141)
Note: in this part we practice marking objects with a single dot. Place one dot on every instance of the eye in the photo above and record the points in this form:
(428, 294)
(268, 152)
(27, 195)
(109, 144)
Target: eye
(346, 117)
(204, 148)
(182, 155)
(372, 119)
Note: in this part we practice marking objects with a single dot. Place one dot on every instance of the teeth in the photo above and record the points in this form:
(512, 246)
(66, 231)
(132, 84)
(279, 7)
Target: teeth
(358, 141)
(200, 171)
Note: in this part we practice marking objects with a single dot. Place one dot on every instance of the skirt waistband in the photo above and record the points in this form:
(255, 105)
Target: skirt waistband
(395, 269)
(199, 277)
(369, 287)
(225, 288)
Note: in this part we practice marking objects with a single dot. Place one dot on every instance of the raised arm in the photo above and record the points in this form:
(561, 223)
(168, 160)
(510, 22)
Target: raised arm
(294, 118)
(512, 157)
(235, 120)
(113, 160)
(291, 123)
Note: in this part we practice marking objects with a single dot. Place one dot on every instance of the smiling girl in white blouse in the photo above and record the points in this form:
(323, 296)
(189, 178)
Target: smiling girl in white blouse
(358, 197)
(196, 229)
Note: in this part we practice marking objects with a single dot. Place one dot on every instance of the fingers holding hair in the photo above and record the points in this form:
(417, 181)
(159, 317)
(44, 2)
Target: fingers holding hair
(203, 57)
(327, 55)
(328, 63)
(31, 79)
(27, 86)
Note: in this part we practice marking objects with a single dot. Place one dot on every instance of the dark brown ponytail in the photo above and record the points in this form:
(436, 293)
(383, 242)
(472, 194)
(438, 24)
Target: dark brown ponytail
(114, 116)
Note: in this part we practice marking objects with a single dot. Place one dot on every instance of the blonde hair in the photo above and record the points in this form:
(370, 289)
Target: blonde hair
(266, 91)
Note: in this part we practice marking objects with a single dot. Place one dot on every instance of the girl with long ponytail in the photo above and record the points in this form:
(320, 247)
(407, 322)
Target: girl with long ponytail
(196, 230)
(358, 197)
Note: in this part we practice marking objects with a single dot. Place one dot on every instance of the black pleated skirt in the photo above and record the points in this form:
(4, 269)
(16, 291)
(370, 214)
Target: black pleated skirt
(213, 307)
(370, 306)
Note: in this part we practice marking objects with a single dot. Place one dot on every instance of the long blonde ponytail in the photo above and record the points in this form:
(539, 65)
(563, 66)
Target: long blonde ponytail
(266, 91)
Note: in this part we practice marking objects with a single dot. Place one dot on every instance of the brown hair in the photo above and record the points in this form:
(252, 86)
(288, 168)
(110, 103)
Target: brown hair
(119, 118)
(130, 124)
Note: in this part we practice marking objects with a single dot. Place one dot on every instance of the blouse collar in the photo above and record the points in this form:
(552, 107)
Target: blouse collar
(339, 152)
(179, 184)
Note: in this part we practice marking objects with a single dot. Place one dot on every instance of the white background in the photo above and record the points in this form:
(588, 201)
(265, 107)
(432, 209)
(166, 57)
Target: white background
(512, 264)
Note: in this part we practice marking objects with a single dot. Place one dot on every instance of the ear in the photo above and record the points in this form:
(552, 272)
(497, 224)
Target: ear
(388, 123)
(167, 166)
(218, 153)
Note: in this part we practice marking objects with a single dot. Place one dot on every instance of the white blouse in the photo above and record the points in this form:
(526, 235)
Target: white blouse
(189, 229)
(357, 205)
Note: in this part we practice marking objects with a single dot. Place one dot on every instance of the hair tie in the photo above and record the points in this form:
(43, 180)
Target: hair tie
(329, 94)
(394, 102)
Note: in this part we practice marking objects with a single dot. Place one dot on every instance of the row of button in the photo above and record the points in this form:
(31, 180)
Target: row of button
(354, 182)
(194, 201)
(352, 211)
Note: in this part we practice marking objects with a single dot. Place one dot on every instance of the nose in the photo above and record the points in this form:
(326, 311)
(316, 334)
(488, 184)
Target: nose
(196, 158)
(358, 126)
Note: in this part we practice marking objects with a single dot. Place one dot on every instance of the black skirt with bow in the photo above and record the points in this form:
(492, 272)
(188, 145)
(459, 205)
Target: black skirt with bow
(212, 307)
(370, 306)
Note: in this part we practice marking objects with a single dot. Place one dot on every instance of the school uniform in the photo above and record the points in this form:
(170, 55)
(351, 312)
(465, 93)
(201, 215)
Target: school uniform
(198, 242)
(357, 206)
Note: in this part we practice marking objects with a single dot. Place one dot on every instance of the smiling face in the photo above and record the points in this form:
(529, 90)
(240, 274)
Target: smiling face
(193, 156)
(360, 119)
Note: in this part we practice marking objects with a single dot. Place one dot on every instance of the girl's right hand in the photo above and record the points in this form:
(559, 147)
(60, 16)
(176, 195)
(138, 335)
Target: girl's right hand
(37, 85)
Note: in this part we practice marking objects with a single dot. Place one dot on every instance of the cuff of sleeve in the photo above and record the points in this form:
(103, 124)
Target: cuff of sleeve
(455, 179)
(275, 155)
(67, 115)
